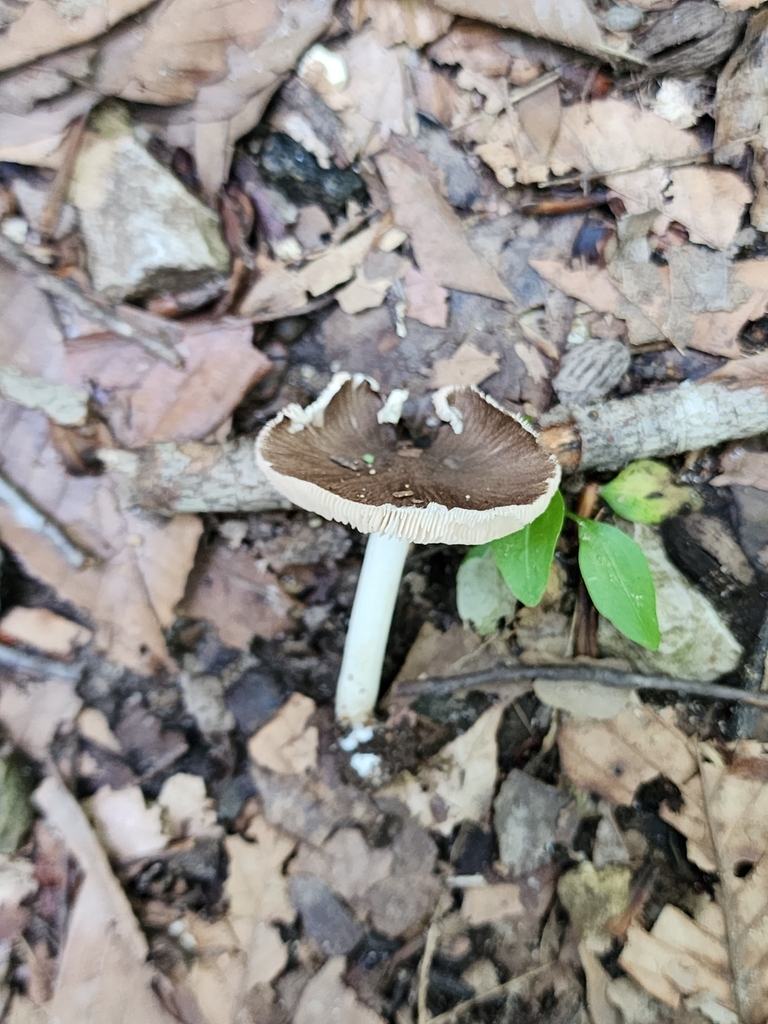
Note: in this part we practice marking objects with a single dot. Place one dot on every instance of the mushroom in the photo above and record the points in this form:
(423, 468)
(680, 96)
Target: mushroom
(348, 457)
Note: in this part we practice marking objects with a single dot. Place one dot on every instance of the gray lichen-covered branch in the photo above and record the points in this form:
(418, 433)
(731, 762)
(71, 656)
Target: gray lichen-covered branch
(192, 477)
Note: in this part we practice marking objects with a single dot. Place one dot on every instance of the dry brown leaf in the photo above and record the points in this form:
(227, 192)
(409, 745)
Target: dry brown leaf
(613, 135)
(128, 828)
(679, 958)
(43, 629)
(437, 235)
(129, 594)
(742, 468)
(425, 300)
(286, 744)
(415, 22)
(102, 971)
(35, 136)
(741, 103)
(256, 887)
(519, 145)
(475, 46)
(282, 290)
(326, 998)
(345, 862)
(33, 713)
(570, 22)
(221, 62)
(612, 758)
(591, 285)
(38, 27)
(150, 401)
(709, 202)
(457, 783)
(240, 596)
(186, 808)
(467, 365)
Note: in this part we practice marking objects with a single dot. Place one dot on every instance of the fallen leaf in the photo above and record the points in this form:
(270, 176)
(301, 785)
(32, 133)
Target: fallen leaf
(241, 597)
(35, 137)
(519, 145)
(571, 22)
(425, 300)
(679, 957)
(584, 700)
(286, 744)
(742, 468)
(326, 998)
(437, 235)
(43, 629)
(33, 713)
(740, 102)
(256, 887)
(516, 902)
(190, 53)
(467, 366)
(130, 830)
(613, 758)
(37, 28)
(415, 22)
(186, 808)
(130, 592)
(617, 135)
(102, 968)
(593, 898)
(345, 862)
(458, 782)
(709, 202)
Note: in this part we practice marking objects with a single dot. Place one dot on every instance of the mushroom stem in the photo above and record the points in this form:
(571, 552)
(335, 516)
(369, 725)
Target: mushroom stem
(372, 609)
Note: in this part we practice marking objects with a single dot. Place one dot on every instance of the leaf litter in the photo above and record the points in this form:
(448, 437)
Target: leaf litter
(534, 201)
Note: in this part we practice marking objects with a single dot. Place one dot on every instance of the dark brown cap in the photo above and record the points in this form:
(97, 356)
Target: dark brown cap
(484, 475)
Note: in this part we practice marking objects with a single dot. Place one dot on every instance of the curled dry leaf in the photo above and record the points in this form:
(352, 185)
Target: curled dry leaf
(130, 588)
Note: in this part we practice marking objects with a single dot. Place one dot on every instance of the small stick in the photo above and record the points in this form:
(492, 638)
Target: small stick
(38, 665)
(504, 675)
(58, 190)
(89, 306)
(425, 967)
(33, 519)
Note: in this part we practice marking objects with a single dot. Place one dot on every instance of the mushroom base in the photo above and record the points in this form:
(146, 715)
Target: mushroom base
(360, 677)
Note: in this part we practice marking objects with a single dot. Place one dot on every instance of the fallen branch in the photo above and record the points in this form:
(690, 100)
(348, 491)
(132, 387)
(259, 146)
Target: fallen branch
(505, 675)
(169, 478)
(193, 477)
(32, 518)
(157, 342)
(608, 435)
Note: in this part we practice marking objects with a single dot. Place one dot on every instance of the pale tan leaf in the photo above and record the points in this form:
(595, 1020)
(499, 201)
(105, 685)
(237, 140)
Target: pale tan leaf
(592, 285)
(415, 22)
(612, 135)
(37, 27)
(570, 22)
(43, 629)
(32, 714)
(467, 365)
(614, 757)
(437, 235)
(741, 102)
(286, 744)
(458, 782)
(326, 998)
(255, 886)
(709, 202)
(128, 828)
(143, 561)
(743, 468)
(102, 971)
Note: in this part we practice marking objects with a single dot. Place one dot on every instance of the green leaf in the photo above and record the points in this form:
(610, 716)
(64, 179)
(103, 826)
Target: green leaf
(524, 557)
(616, 574)
(645, 492)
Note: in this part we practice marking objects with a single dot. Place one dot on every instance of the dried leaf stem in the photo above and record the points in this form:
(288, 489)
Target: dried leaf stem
(88, 306)
(501, 677)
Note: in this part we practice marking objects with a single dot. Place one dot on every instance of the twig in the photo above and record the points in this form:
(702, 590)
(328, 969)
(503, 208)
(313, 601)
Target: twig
(450, 1016)
(34, 519)
(38, 665)
(502, 676)
(524, 91)
(90, 307)
(60, 186)
(425, 967)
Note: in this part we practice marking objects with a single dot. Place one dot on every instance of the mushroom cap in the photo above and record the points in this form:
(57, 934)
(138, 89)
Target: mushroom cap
(485, 475)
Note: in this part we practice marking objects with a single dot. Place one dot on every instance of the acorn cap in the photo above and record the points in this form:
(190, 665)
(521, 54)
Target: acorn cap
(483, 476)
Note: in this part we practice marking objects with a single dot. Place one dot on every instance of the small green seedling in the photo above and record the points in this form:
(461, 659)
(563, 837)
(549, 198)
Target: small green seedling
(614, 568)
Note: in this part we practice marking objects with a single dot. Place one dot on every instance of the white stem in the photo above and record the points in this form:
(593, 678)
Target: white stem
(368, 632)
